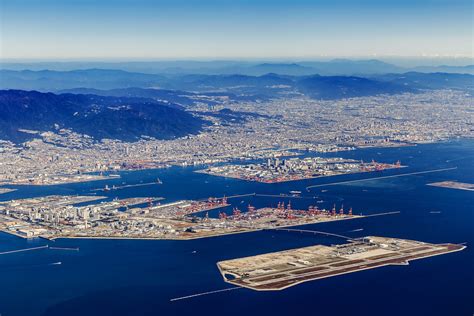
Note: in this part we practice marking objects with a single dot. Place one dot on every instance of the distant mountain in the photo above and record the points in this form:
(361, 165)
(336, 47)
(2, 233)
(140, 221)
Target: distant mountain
(121, 118)
(338, 87)
(468, 69)
(191, 89)
(340, 67)
(47, 80)
(264, 87)
(417, 80)
(352, 67)
(100, 79)
(302, 68)
(168, 97)
(171, 98)
(206, 82)
(277, 68)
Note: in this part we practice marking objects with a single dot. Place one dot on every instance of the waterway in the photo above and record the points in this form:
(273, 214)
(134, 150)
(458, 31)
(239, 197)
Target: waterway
(145, 277)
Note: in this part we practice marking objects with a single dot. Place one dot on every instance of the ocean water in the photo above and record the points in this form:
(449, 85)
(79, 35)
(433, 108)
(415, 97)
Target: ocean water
(140, 277)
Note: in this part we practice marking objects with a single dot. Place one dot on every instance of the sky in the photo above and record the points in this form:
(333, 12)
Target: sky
(229, 29)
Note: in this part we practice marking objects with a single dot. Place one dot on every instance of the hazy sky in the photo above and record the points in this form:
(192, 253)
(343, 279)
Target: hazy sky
(175, 29)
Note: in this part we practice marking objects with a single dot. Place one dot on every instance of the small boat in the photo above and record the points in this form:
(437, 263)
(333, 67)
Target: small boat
(158, 181)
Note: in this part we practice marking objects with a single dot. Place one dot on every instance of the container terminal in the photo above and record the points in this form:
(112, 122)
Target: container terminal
(145, 218)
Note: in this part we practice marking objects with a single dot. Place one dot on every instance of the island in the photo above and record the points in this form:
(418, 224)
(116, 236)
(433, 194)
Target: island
(283, 269)
(54, 217)
(277, 170)
(453, 185)
(57, 179)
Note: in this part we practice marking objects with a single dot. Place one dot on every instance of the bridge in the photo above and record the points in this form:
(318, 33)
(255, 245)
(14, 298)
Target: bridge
(311, 232)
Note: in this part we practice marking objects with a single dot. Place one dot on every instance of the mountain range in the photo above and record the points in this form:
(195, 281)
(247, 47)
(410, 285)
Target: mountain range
(188, 90)
(118, 104)
(339, 67)
(122, 118)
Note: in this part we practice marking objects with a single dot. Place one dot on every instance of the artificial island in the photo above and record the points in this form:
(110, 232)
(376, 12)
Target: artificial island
(283, 269)
(281, 170)
(453, 185)
(54, 217)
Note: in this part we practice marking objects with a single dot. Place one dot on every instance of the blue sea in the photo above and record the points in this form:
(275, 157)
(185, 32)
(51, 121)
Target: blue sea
(140, 277)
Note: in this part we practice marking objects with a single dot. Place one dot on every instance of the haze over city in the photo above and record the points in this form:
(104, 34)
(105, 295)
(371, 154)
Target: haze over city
(218, 157)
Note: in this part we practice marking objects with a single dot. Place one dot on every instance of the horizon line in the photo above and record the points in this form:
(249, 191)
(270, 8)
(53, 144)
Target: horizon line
(231, 59)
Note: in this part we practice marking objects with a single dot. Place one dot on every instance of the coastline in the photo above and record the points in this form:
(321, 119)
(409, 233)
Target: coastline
(250, 230)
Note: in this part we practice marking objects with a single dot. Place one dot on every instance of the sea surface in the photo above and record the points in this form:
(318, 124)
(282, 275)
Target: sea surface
(140, 277)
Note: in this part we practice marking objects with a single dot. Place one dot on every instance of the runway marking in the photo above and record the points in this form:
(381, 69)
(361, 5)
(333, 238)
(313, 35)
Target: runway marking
(384, 177)
(22, 250)
(205, 293)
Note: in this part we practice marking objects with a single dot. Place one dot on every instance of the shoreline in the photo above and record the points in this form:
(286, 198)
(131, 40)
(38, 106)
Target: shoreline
(250, 230)
(404, 260)
(202, 171)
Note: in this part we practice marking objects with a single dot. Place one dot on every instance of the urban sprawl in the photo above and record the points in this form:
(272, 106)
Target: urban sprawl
(289, 125)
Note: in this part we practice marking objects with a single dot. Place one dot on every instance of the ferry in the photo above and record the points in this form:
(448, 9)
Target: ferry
(295, 192)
